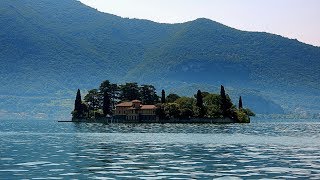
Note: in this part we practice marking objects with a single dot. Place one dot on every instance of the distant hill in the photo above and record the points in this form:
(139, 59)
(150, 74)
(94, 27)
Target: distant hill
(50, 48)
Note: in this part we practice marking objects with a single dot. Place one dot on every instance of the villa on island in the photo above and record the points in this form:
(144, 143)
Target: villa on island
(135, 111)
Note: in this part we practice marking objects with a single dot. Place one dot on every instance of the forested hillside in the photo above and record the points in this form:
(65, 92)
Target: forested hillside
(49, 49)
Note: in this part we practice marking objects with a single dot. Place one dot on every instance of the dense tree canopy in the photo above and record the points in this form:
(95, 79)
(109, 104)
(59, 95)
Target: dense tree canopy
(129, 92)
(172, 97)
(202, 105)
(148, 94)
(93, 99)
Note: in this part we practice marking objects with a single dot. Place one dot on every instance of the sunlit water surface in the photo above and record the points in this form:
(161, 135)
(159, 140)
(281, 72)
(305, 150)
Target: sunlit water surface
(263, 149)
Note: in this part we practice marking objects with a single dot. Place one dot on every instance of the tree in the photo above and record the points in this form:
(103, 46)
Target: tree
(160, 112)
(129, 92)
(148, 94)
(199, 99)
(242, 117)
(111, 89)
(240, 102)
(78, 101)
(172, 110)
(78, 107)
(226, 105)
(186, 106)
(93, 100)
(204, 94)
(185, 102)
(186, 113)
(223, 101)
(199, 104)
(171, 98)
(114, 94)
(106, 104)
(212, 103)
(85, 109)
(248, 112)
(105, 86)
(163, 96)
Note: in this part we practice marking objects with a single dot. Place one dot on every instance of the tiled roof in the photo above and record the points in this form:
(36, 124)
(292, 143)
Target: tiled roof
(136, 101)
(124, 104)
(129, 104)
(148, 107)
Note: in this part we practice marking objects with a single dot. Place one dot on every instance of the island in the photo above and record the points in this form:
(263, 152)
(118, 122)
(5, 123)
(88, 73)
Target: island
(131, 103)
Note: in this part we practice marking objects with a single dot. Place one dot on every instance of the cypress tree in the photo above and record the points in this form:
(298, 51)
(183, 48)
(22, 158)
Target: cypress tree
(240, 102)
(163, 96)
(106, 103)
(78, 105)
(200, 104)
(199, 99)
(223, 101)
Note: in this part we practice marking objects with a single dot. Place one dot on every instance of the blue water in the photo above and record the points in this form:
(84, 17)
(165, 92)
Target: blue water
(263, 149)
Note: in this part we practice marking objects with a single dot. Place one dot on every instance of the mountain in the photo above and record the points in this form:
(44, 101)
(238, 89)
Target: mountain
(50, 48)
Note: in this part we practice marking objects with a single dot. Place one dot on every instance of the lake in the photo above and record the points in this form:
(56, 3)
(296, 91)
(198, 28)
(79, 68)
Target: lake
(46, 149)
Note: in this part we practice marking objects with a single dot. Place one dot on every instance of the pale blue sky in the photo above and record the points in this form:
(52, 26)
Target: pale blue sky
(296, 19)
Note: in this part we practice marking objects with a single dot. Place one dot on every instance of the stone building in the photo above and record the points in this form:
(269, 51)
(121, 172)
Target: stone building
(135, 111)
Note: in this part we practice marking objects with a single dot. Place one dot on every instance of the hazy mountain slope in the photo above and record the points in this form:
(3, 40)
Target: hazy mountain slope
(203, 46)
(50, 48)
(58, 40)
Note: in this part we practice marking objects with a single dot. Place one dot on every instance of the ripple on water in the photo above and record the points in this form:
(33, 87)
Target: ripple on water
(35, 163)
(83, 151)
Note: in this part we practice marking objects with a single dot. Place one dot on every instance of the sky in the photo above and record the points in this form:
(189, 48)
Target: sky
(295, 19)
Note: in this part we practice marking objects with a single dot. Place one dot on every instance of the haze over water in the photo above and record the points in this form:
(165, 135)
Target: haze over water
(263, 149)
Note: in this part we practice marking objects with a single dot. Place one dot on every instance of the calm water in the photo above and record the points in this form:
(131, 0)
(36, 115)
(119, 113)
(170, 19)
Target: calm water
(262, 149)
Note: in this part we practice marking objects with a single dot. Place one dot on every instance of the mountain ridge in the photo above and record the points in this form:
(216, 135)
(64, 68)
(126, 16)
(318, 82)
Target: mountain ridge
(52, 48)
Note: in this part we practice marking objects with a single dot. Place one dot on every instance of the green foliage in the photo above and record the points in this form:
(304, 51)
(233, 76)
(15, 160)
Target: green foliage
(212, 99)
(186, 113)
(93, 100)
(223, 103)
(160, 111)
(102, 101)
(106, 103)
(199, 104)
(148, 94)
(212, 102)
(199, 99)
(226, 106)
(248, 112)
(163, 96)
(214, 111)
(78, 107)
(185, 102)
(240, 103)
(172, 97)
(172, 110)
(129, 92)
(242, 116)
(182, 107)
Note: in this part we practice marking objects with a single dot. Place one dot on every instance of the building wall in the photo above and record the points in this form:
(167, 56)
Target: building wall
(148, 111)
(148, 117)
(121, 110)
(130, 114)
